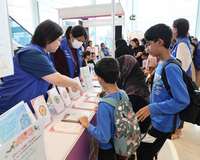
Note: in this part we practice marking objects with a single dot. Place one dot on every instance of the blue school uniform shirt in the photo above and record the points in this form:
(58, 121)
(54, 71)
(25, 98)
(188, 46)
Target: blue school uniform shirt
(30, 65)
(105, 128)
(162, 106)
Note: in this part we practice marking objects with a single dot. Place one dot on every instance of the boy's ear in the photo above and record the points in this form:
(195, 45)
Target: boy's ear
(160, 41)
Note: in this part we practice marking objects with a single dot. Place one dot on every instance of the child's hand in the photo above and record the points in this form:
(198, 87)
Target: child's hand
(84, 121)
(143, 113)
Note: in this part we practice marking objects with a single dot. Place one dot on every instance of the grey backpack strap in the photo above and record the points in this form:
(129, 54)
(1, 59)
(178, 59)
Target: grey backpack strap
(109, 101)
(112, 101)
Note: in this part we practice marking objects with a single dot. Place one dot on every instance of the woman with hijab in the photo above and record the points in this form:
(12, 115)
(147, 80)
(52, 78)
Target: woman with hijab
(121, 48)
(132, 80)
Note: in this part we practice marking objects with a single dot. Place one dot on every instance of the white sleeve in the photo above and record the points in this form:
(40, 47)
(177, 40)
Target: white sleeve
(184, 55)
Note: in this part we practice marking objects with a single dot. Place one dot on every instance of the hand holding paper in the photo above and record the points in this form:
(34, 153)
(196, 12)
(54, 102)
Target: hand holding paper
(76, 86)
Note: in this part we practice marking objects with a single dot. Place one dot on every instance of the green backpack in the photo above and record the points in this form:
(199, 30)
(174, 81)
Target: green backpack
(127, 136)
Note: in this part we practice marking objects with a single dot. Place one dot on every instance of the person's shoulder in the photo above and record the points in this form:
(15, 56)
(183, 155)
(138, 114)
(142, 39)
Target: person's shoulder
(31, 53)
(173, 69)
(105, 107)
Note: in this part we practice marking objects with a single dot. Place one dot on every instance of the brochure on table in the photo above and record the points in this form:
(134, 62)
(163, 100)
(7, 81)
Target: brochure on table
(20, 135)
(74, 115)
(75, 95)
(85, 105)
(28, 145)
(14, 121)
(65, 96)
(41, 110)
(86, 77)
(70, 121)
(54, 102)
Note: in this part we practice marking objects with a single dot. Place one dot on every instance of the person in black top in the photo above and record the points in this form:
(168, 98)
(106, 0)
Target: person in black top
(86, 58)
(137, 50)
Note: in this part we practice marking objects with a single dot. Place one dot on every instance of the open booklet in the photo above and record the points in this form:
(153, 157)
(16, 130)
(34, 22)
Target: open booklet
(85, 106)
(66, 127)
(74, 116)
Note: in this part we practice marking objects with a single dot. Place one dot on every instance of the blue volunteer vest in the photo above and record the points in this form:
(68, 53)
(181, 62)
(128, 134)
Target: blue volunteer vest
(174, 51)
(21, 86)
(69, 57)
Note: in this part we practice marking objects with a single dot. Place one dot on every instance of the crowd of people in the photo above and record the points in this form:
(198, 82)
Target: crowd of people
(53, 59)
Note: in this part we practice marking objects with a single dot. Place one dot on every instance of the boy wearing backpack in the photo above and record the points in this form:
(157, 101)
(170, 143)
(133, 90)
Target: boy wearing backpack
(163, 107)
(107, 71)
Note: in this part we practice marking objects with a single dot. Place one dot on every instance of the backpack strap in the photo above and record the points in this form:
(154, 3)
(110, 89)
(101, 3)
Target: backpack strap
(164, 76)
(166, 84)
(111, 101)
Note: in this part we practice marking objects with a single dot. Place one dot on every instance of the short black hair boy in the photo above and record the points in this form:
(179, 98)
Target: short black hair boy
(107, 69)
(159, 31)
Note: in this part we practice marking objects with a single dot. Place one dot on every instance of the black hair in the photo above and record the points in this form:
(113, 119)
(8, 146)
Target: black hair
(182, 26)
(46, 32)
(102, 44)
(143, 41)
(68, 31)
(120, 42)
(121, 48)
(159, 31)
(107, 69)
(86, 53)
(136, 41)
(78, 31)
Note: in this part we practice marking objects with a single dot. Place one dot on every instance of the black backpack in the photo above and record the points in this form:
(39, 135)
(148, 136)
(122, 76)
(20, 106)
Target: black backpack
(191, 113)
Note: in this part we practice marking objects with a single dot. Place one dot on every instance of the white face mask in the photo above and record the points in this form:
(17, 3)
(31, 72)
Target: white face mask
(76, 44)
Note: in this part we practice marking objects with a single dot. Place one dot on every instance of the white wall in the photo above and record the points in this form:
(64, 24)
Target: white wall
(197, 32)
(21, 11)
(151, 12)
(6, 64)
(47, 11)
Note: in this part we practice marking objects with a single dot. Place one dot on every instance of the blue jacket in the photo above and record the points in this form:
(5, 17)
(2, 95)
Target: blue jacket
(69, 57)
(22, 86)
(162, 106)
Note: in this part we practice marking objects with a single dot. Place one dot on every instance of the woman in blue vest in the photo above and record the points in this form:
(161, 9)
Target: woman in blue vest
(182, 47)
(182, 51)
(33, 69)
(68, 58)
